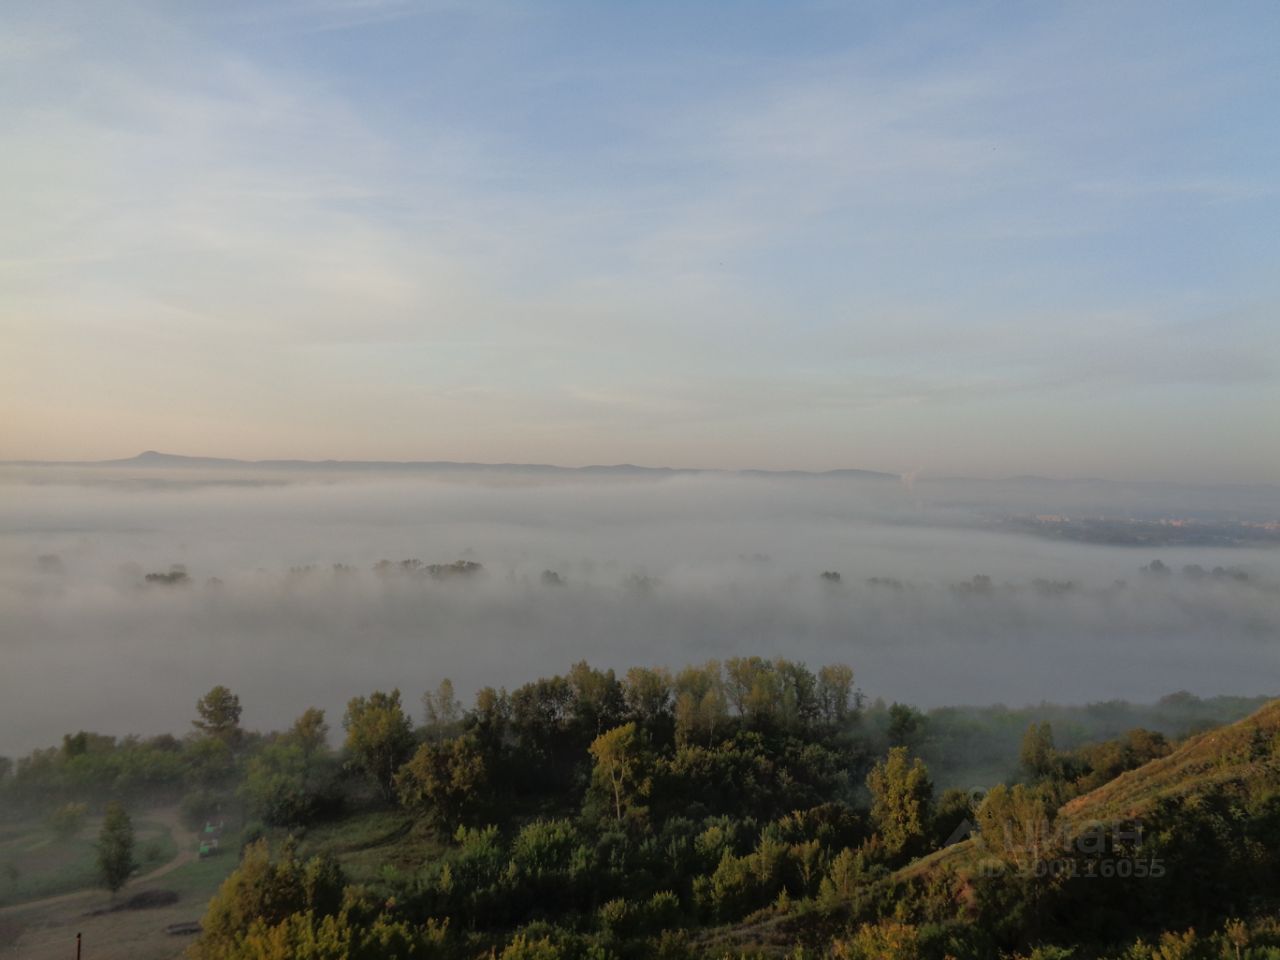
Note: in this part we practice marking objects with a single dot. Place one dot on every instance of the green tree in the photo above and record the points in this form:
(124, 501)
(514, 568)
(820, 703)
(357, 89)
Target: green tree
(882, 939)
(284, 786)
(598, 702)
(115, 848)
(442, 778)
(262, 893)
(219, 715)
(310, 732)
(619, 768)
(701, 708)
(209, 762)
(1014, 823)
(1037, 753)
(490, 718)
(648, 695)
(379, 737)
(906, 723)
(753, 686)
(901, 795)
(798, 700)
(836, 698)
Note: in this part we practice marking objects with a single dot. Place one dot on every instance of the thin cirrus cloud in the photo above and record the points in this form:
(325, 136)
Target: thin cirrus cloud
(819, 238)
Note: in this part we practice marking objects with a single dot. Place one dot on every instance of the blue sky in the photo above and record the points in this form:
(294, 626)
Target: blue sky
(982, 239)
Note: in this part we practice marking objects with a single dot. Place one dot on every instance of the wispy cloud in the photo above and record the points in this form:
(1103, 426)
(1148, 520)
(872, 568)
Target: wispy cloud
(513, 215)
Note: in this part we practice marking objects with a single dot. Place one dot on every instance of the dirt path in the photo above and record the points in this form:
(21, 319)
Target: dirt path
(184, 838)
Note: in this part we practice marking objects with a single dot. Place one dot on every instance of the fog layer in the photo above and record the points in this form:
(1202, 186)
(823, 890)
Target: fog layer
(646, 571)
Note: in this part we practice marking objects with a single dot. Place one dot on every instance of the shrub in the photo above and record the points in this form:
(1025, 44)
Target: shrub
(68, 820)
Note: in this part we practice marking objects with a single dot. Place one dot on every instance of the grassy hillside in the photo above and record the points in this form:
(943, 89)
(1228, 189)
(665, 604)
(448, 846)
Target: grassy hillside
(1238, 757)
(1233, 770)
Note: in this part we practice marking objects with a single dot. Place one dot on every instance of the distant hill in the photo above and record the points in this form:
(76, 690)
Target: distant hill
(154, 459)
(1015, 504)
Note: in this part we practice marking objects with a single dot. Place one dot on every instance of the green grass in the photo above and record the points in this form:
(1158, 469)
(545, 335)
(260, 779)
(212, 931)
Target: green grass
(1240, 755)
(373, 845)
(34, 864)
(199, 880)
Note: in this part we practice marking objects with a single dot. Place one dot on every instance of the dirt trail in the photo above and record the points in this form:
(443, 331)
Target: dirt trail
(184, 838)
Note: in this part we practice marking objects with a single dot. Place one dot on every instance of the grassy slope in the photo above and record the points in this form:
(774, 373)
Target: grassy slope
(1216, 758)
(1219, 757)
(35, 864)
(374, 847)
(48, 931)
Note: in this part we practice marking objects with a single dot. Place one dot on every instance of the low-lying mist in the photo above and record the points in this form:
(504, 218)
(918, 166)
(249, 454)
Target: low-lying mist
(283, 601)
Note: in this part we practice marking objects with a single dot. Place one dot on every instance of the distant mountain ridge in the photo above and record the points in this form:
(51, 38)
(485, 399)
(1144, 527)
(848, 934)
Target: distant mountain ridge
(155, 459)
(158, 460)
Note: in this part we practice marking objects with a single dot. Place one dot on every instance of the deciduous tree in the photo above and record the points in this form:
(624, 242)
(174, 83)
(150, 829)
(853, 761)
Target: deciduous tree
(442, 779)
(115, 848)
(219, 715)
(901, 794)
(379, 737)
(619, 768)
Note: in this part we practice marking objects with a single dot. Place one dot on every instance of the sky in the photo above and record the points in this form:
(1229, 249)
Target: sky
(980, 239)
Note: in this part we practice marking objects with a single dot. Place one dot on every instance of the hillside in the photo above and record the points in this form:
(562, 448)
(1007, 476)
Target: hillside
(1233, 769)
(1237, 756)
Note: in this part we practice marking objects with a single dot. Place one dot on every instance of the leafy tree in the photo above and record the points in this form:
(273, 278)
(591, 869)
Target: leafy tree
(845, 875)
(442, 778)
(310, 732)
(489, 720)
(285, 785)
(649, 696)
(262, 893)
(219, 715)
(1014, 823)
(523, 947)
(1037, 753)
(901, 795)
(883, 939)
(115, 848)
(797, 705)
(209, 762)
(541, 712)
(1178, 946)
(379, 737)
(754, 689)
(701, 708)
(905, 725)
(346, 935)
(619, 769)
(835, 694)
(598, 702)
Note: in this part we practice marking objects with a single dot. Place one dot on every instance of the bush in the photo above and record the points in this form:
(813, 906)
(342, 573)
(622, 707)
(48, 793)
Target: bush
(68, 820)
